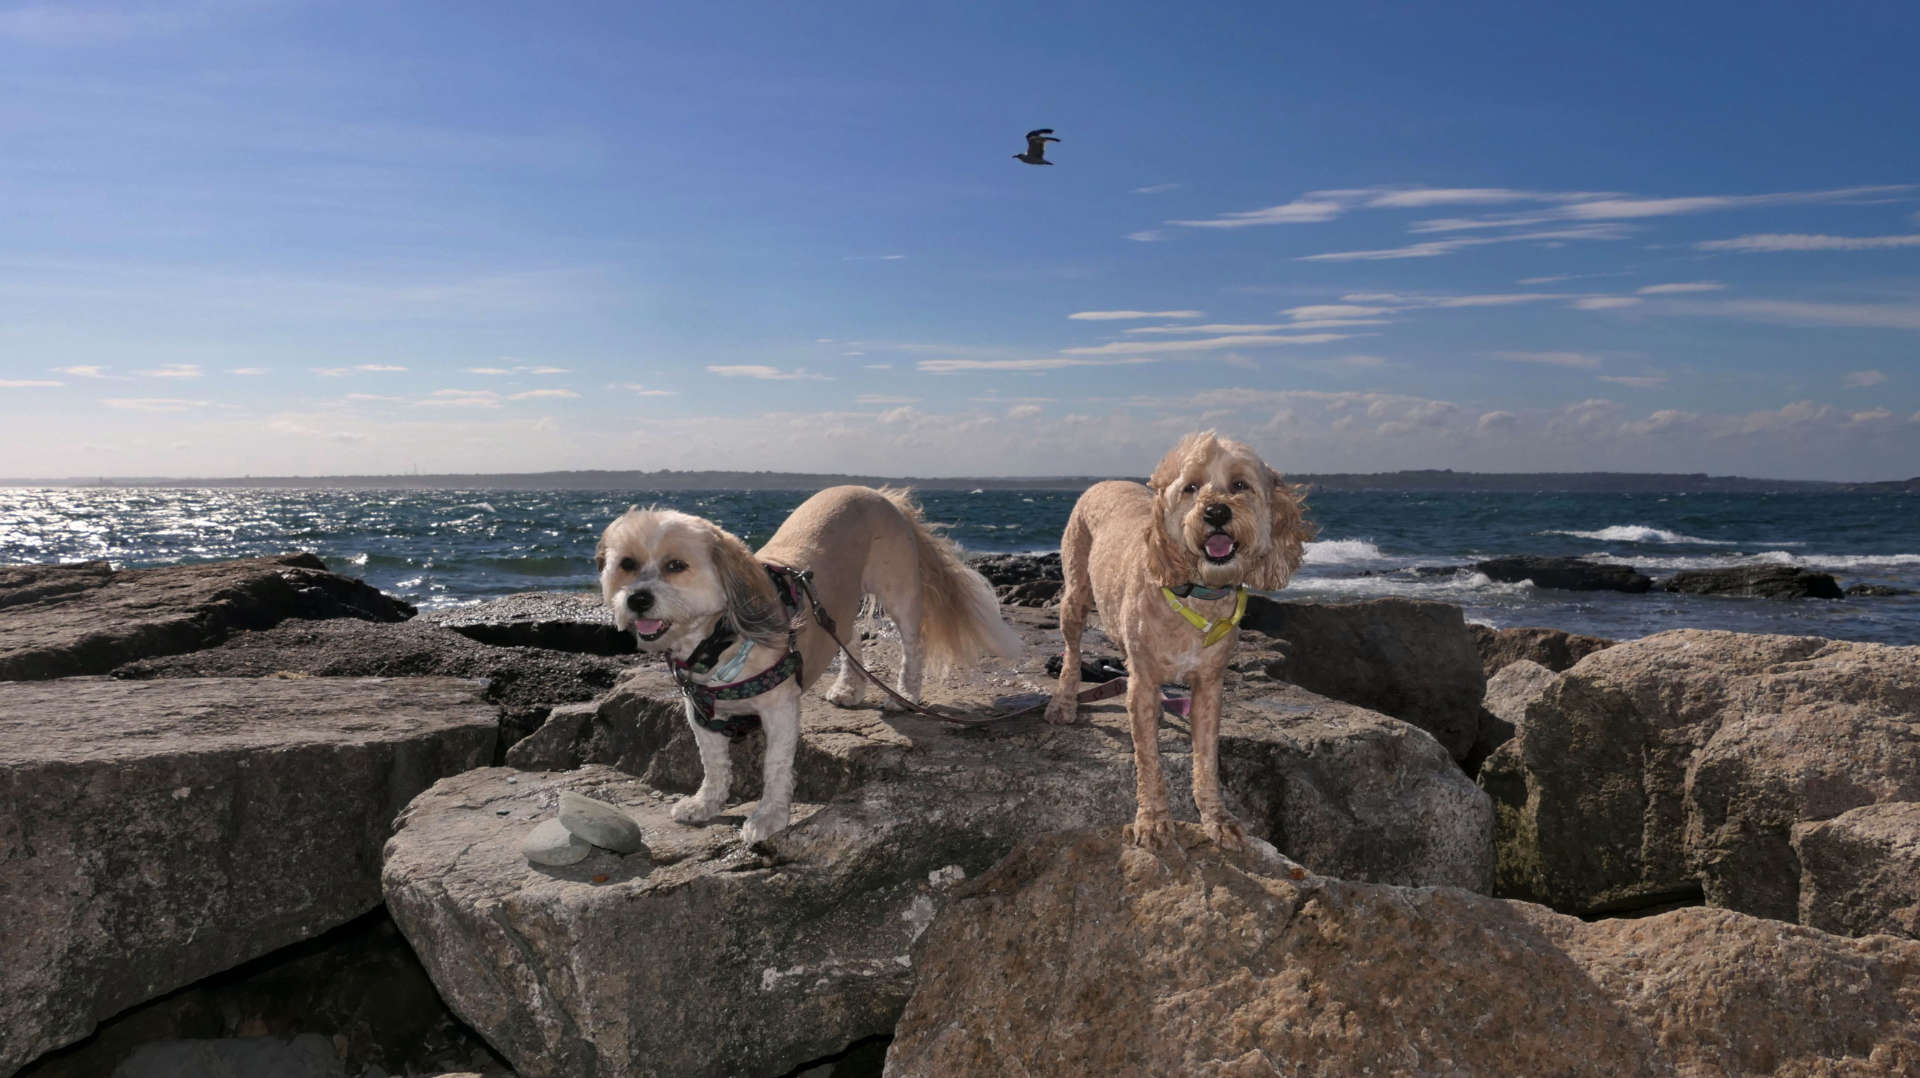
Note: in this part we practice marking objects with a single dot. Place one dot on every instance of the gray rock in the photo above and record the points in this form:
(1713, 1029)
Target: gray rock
(307, 1056)
(1676, 766)
(1555, 649)
(1077, 955)
(1565, 574)
(157, 832)
(558, 621)
(789, 951)
(1756, 582)
(1517, 685)
(85, 618)
(1860, 871)
(1407, 658)
(600, 823)
(552, 844)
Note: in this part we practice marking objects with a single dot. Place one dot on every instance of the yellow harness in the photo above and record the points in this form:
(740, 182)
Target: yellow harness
(1212, 632)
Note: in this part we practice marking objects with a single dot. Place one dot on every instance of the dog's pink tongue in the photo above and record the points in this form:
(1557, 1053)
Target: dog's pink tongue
(647, 626)
(1219, 545)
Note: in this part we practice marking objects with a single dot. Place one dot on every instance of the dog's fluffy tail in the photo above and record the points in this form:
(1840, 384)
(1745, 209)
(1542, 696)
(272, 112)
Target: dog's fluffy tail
(959, 614)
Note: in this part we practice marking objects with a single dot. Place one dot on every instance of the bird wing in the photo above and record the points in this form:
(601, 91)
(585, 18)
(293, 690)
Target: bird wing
(1037, 141)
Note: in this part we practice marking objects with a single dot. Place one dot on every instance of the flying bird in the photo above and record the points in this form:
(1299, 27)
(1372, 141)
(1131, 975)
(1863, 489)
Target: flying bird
(1037, 140)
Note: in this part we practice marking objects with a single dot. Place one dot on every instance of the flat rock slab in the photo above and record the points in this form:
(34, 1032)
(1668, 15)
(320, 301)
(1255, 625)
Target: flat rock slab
(560, 621)
(1079, 955)
(1756, 582)
(157, 832)
(87, 618)
(713, 958)
(1565, 574)
(1555, 649)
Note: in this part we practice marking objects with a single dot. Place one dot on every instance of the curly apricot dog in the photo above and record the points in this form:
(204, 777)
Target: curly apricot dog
(1168, 565)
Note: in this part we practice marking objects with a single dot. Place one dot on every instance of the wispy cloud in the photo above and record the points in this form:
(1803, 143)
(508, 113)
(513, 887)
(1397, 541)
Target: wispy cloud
(1616, 208)
(152, 404)
(765, 373)
(1118, 316)
(873, 258)
(1635, 381)
(1803, 313)
(639, 390)
(371, 368)
(1793, 241)
(1335, 310)
(1147, 235)
(1048, 363)
(29, 383)
(1577, 360)
(84, 371)
(1680, 288)
(1437, 248)
(878, 398)
(1024, 411)
(461, 398)
(247, 372)
(500, 371)
(1606, 303)
(1206, 344)
(1308, 210)
(173, 370)
(542, 394)
(1156, 189)
(1863, 379)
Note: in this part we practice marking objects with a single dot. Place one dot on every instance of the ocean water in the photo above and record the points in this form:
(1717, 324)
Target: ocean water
(446, 547)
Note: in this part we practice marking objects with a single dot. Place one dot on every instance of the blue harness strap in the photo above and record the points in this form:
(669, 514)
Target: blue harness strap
(701, 698)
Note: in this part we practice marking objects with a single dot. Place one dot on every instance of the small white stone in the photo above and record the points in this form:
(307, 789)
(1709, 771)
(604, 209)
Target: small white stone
(552, 844)
(600, 823)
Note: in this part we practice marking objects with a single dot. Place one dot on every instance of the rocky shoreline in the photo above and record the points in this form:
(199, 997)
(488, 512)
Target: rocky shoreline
(213, 775)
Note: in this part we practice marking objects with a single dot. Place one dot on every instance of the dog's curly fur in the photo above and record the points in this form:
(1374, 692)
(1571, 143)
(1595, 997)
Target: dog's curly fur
(1122, 544)
(858, 542)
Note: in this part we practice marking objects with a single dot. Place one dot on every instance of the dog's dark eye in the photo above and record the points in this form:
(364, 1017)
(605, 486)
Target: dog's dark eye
(1240, 485)
(674, 565)
(1189, 488)
(628, 565)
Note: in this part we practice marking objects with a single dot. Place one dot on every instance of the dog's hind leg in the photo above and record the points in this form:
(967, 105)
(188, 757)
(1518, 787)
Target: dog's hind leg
(780, 719)
(905, 611)
(716, 782)
(1075, 600)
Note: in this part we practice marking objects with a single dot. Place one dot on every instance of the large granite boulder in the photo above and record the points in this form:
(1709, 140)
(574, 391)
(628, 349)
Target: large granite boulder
(1860, 871)
(157, 832)
(1565, 574)
(560, 621)
(526, 683)
(86, 618)
(1677, 765)
(1079, 955)
(1555, 649)
(1408, 658)
(1756, 582)
(709, 958)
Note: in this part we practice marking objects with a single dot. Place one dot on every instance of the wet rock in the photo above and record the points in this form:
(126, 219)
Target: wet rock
(554, 620)
(155, 833)
(1875, 591)
(85, 618)
(1078, 955)
(1860, 871)
(1565, 574)
(1555, 649)
(1756, 582)
(1407, 658)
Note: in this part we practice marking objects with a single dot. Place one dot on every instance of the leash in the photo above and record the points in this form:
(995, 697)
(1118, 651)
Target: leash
(804, 579)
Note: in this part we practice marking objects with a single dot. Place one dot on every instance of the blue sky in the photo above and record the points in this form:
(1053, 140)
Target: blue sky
(259, 237)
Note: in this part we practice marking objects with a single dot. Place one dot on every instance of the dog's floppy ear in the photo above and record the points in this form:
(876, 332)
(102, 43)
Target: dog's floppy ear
(600, 554)
(753, 609)
(1289, 533)
(1167, 559)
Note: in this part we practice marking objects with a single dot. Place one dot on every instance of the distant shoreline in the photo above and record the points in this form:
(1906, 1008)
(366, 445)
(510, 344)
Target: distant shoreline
(1411, 481)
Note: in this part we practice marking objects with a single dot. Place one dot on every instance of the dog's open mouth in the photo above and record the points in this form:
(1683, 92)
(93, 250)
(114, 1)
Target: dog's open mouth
(649, 628)
(1220, 548)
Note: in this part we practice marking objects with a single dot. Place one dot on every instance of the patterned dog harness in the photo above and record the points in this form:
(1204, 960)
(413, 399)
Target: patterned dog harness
(701, 698)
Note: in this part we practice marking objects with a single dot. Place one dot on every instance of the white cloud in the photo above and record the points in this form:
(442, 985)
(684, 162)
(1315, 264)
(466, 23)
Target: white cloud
(173, 370)
(955, 366)
(1120, 316)
(1437, 248)
(1635, 381)
(489, 370)
(1336, 310)
(152, 404)
(542, 394)
(877, 398)
(28, 383)
(372, 397)
(1024, 411)
(342, 372)
(1871, 415)
(1147, 235)
(461, 398)
(764, 373)
(1156, 189)
(1493, 422)
(876, 366)
(639, 390)
(1606, 303)
(1552, 359)
(83, 371)
(1679, 288)
(1207, 344)
(1788, 241)
(247, 372)
(1863, 379)
(1801, 313)
(1665, 207)
(1299, 211)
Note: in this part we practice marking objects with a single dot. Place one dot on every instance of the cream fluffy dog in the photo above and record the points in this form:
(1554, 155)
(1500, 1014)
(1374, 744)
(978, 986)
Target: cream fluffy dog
(687, 588)
(1214, 518)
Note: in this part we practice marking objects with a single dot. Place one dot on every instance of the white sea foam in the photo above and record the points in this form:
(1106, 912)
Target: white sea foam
(1821, 562)
(1638, 533)
(1343, 552)
(1463, 583)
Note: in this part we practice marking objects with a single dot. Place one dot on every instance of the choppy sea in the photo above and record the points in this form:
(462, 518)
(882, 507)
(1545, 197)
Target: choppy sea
(446, 547)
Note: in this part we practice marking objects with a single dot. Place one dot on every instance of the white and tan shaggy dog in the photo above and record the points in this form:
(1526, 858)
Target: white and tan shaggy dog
(687, 588)
(1168, 566)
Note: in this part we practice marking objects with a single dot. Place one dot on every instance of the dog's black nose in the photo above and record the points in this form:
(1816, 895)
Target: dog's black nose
(1218, 513)
(639, 601)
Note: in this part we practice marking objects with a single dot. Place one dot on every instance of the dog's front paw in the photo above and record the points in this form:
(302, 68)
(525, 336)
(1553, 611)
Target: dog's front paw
(1225, 832)
(766, 820)
(1062, 712)
(1150, 832)
(694, 811)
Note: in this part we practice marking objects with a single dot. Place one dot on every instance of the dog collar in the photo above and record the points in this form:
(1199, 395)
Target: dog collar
(1200, 591)
(1211, 631)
